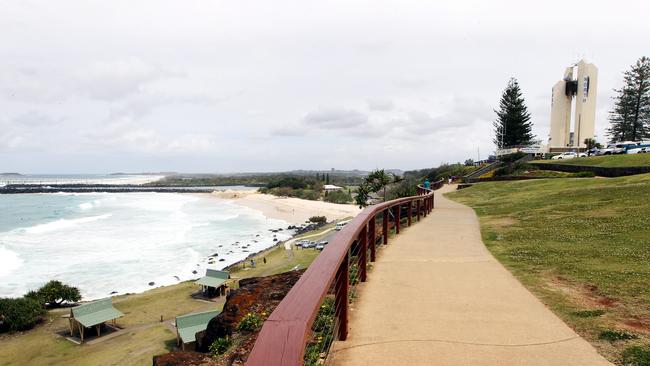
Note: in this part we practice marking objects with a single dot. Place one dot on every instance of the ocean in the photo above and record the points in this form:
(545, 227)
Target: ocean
(115, 243)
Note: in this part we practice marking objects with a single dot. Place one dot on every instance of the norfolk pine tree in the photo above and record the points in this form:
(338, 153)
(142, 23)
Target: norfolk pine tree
(630, 117)
(512, 126)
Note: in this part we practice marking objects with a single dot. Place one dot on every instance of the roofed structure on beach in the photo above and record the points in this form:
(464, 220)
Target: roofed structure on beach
(95, 312)
(92, 314)
(188, 325)
(213, 278)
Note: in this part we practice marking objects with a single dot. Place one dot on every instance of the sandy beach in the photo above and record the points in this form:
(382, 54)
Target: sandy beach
(292, 210)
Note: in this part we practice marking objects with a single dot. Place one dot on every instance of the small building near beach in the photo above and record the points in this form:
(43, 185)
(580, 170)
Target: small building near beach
(93, 315)
(188, 325)
(331, 187)
(213, 284)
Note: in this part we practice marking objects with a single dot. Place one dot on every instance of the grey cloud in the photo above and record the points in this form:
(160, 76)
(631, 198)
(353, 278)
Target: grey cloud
(112, 80)
(461, 112)
(34, 118)
(335, 118)
(380, 105)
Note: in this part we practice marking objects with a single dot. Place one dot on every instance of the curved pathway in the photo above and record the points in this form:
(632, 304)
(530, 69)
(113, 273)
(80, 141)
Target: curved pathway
(437, 297)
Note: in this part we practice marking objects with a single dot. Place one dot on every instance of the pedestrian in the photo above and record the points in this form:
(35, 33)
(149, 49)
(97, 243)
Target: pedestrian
(450, 180)
(427, 184)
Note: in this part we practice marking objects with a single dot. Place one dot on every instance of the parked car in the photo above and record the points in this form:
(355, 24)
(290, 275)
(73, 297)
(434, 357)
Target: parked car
(309, 244)
(340, 225)
(638, 150)
(320, 246)
(613, 149)
(566, 155)
(302, 243)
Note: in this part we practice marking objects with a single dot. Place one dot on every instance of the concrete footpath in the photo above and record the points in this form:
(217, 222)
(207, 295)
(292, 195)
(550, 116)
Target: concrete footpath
(436, 296)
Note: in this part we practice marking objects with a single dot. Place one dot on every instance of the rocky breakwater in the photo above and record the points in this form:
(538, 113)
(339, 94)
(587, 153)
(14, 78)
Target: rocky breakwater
(257, 295)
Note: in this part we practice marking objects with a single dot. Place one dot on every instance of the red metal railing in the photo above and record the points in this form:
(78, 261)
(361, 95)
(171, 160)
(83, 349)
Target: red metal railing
(286, 332)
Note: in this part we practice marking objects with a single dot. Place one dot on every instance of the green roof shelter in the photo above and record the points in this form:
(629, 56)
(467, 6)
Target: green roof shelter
(188, 325)
(213, 283)
(93, 314)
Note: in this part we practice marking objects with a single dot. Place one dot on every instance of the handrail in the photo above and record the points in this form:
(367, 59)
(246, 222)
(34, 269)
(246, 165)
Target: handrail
(286, 332)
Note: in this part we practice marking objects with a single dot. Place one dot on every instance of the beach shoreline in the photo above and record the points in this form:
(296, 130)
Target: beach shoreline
(292, 210)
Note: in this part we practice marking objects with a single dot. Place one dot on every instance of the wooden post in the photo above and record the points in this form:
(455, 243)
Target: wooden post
(341, 297)
(419, 210)
(424, 207)
(363, 254)
(98, 327)
(398, 218)
(81, 332)
(385, 226)
(373, 239)
(71, 327)
(409, 213)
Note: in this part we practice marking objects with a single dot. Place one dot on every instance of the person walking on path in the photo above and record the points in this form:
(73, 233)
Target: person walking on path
(427, 184)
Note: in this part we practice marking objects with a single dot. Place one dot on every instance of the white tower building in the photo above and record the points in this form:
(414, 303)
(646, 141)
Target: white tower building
(583, 89)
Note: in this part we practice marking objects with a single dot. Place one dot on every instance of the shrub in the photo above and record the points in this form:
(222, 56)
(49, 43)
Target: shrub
(54, 293)
(510, 158)
(323, 329)
(404, 188)
(289, 182)
(318, 219)
(636, 356)
(616, 335)
(584, 174)
(338, 197)
(19, 314)
(220, 346)
(250, 322)
(513, 169)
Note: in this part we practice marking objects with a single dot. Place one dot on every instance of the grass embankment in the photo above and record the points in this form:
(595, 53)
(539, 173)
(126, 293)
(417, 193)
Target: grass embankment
(144, 336)
(605, 161)
(583, 247)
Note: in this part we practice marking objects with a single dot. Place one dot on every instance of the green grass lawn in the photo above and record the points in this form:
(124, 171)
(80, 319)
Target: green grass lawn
(144, 337)
(582, 246)
(605, 161)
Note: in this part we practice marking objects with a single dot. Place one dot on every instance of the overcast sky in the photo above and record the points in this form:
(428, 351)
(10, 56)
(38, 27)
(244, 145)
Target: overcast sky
(222, 86)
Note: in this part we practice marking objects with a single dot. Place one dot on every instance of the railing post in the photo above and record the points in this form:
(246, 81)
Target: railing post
(341, 297)
(373, 238)
(425, 206)
(363, 255)
(409, 213)
(418, 210)
(398, 218)
(385, 226)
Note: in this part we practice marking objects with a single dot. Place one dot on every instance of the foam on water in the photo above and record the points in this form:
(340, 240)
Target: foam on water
(62, 224)
(9, 261)
(120, 242)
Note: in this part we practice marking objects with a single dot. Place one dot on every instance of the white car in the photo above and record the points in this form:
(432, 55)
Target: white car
(568, 155)
(639, 150)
